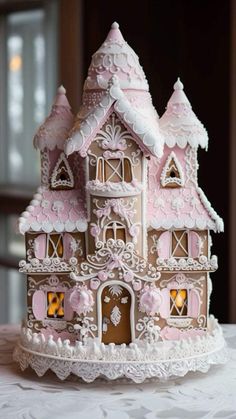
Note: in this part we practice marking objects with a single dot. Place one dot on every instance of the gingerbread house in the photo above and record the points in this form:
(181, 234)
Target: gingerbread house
(118, 243)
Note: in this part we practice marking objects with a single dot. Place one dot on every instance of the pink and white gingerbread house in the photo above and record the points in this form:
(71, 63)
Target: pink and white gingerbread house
(118, 243)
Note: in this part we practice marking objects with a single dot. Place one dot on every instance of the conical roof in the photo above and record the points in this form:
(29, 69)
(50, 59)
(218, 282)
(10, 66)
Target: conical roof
(53, 132)
(179, 124)
(115, 57)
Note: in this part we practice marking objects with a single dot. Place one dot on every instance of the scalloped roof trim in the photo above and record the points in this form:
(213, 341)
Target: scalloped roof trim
(219, 223)
(183, 134)
(28, 221)
(215, 222)
(146, 130)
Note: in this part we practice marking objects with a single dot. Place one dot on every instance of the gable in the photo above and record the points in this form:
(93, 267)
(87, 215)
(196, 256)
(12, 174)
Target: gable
(114, 135)
(143, 126)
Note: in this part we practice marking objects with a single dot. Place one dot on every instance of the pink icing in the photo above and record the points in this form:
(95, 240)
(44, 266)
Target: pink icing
(57, 208)
(81, 300)
(150, 300)
(173, 333)
(62, 335)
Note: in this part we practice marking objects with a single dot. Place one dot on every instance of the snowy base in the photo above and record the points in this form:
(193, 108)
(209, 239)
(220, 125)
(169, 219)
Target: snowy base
(137, 362)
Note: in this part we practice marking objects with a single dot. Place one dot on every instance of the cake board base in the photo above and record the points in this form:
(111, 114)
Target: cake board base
(191, 355)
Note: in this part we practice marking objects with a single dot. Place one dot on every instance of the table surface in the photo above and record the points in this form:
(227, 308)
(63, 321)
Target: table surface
(25, 396)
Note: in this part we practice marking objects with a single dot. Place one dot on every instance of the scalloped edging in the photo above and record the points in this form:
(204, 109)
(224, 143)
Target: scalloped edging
(137, 370)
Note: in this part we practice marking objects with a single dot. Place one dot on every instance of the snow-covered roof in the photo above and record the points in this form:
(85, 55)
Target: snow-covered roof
(53, 132)
(186, 207)
(115, 56)
(54, 211)
(179, 124)
(143, 122)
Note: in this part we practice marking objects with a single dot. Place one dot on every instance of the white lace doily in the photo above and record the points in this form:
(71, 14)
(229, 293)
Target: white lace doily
(195, 396)
(160, 361)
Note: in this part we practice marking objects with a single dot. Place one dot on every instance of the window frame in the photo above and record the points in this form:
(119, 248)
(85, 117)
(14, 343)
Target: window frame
(114, 226)
(184, 233)
(101, 161)
(172, 303)
(48, 304)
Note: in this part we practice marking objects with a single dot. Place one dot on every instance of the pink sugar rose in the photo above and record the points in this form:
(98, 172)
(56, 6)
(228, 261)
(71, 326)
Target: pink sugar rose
(95, 230)
(128, 276)
(102, 275)
(134, 230)
(150, 300)
(81, 300)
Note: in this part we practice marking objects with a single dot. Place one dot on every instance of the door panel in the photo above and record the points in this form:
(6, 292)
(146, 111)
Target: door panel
(116, 305)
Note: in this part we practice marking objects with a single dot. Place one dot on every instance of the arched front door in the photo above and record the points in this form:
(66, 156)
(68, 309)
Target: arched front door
(116, 306)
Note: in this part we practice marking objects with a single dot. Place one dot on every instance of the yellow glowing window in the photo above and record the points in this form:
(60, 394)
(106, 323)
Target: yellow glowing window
(178, 302)
(55, 246)
(55, 305)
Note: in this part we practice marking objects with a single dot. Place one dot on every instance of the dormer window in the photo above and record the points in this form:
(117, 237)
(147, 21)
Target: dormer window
(114, 170)
(115, 230)
(62, 176)
(172, 175)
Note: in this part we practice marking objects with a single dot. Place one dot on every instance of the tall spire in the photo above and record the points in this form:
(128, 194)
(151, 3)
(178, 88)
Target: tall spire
(115, 56)
(54, 130)
(179, 124)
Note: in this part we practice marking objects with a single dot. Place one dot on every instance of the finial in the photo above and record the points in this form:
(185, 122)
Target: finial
(61, 90)
(178, 85)
(115, 25)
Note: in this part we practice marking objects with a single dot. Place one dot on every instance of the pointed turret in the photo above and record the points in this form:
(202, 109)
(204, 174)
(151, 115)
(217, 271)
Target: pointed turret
(179, 124)
(53, 132)
(116, 80)
(115, 56)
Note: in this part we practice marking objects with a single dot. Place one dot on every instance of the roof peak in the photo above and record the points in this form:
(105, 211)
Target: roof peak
(178, 85)
(53, 132)
(179, 124)
(115, 25)
(61, 99)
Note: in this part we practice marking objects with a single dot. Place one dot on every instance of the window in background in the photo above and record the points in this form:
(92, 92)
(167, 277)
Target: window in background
(28, 80)
(29, 92)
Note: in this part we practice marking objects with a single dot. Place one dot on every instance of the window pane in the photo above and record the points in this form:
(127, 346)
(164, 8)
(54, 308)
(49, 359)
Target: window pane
(12, 296)
(178, 302)
(15, 241)
(27, 91)
(55, 303)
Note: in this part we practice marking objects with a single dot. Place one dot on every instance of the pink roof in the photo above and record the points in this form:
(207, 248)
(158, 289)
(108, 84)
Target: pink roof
(179, 124)
(53, 132)
(115, 57)
(54, 211)
(185, 207)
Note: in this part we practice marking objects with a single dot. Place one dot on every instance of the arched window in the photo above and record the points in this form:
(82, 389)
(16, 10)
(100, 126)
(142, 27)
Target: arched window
(115, 230)
(114, 170)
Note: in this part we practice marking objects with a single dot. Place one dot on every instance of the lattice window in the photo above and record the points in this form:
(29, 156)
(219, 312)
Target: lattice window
(55, 304)
(55, 246)
(178, 302)
(179, 243)
(62, 176)
(115, 230)
(114, 170)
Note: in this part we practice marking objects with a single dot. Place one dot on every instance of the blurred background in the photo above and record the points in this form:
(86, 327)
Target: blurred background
(48, 43)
